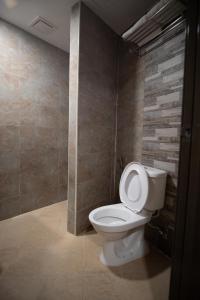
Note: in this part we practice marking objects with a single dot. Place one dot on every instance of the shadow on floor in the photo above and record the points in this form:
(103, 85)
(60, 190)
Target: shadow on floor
(145, 268)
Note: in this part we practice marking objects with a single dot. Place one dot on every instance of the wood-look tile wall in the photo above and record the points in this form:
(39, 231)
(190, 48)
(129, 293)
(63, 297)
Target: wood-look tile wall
(163, 88)
(149, 118)
(33, 122)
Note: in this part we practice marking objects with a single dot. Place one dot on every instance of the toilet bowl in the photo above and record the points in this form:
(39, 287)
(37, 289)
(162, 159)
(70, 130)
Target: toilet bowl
(142, 191)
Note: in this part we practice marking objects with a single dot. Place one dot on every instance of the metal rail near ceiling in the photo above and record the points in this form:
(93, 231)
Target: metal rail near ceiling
(165, 20)
(168, 33)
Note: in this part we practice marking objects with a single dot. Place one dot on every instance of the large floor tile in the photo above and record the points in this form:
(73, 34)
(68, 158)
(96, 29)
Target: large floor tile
(40, 260)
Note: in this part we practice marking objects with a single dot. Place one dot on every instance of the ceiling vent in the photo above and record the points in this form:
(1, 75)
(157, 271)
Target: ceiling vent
(42, 25)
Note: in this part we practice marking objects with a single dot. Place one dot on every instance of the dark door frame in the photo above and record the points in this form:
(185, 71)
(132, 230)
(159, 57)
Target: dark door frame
(185, 277)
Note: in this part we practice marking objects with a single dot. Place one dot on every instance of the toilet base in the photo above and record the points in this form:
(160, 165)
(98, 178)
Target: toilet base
(127, 249)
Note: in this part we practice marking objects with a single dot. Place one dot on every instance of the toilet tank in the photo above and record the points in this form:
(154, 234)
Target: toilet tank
(157, 185)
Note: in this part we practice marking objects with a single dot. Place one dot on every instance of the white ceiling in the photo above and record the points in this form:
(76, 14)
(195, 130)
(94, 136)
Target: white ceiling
(118, 14)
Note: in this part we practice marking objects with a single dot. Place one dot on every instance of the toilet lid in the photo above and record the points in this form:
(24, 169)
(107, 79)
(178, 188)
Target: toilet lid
(134, 187)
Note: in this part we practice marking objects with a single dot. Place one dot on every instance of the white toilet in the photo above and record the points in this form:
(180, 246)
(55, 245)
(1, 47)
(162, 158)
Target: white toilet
(142, 192)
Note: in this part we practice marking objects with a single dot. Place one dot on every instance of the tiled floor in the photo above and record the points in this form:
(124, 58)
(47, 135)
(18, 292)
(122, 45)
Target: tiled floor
(40, 260)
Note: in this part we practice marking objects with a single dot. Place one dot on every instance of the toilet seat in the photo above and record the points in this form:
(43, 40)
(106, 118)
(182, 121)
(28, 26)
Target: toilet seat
(116, 218)
(134, 187)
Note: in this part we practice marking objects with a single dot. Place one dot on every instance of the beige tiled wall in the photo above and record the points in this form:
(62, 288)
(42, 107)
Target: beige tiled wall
(33, 122)
(93, 58)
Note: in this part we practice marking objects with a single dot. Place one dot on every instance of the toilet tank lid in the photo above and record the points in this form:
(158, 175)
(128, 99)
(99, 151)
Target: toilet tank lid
(153, 172)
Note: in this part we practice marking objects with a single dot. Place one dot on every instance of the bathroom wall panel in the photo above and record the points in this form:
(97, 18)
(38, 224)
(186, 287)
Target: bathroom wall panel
(163, 88)
(33, 122)
(149, 118)
(94, 68)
